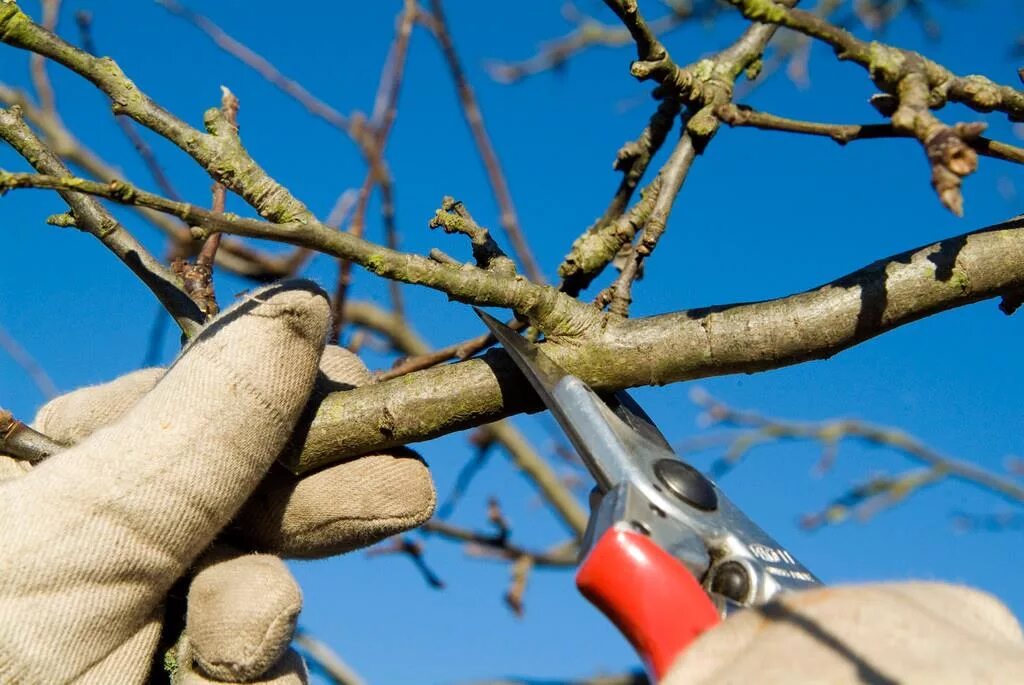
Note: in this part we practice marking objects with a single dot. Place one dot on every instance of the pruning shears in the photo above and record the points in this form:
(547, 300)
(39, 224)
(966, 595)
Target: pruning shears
(666, 555)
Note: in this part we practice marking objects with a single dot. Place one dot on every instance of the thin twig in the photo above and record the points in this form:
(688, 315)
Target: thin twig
(413, 550)
(1001, 522)
(740, 115)
(37, 63)
(515, 596)
(559, 556)
(672, 176)
(83, 19)
(593, 250)
(453, 217)
(508, 219)
(91, 216)
(325, 660)
(25, 360)
(377, 130)
(258, 63)
(207, 255)
(876, 492)
(555, 55)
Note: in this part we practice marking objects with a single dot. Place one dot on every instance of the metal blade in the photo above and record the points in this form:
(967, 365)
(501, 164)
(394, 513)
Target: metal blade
(539, 369)
(544, 374)
(547, 378)
(604, 434)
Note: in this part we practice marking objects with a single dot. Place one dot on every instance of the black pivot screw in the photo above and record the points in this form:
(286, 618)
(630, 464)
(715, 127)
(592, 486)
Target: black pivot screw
(732, 580)
(687, 483)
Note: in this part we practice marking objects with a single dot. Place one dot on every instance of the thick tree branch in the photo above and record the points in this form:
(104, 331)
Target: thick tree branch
(605, 350)
(519, 450)
(743, 338)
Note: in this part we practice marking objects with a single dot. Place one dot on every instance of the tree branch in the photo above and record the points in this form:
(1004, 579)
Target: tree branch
(741, 115)
(744, 338)
(589, 32)
(492, 166)
(604, 350)
(22, 442)
(23, 359)
(89, 215)
(917, 85)
(519, 450)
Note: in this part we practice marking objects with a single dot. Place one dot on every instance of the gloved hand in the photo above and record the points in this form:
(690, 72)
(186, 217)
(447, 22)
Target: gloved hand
(907, 633)
(93, 538)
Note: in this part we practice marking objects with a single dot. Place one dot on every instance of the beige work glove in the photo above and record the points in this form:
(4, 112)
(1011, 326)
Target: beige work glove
(92, 539)
(907, 633)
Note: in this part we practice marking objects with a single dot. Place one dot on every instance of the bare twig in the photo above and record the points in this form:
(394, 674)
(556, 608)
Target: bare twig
(412, 549)
(322, 658)
(372, 143)
(559, 556)
(593, 250)
(90, 216)
(964, 522)
(671, 177)
(83, 20)
(739, 115)
(474, 118)
(37, 63)
(23, 359)
(555, 55)
(453, 217)
(877, 492)
(482, 441)
(258, 63)
(208, 253)
(514, 597)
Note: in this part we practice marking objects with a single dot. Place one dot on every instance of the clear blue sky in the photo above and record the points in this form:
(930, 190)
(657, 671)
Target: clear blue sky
(761, 215)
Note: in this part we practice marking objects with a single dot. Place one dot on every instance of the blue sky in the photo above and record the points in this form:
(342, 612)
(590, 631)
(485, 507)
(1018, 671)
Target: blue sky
(761, 215)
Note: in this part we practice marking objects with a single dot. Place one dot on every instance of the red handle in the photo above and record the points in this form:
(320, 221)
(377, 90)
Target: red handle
(649, 595)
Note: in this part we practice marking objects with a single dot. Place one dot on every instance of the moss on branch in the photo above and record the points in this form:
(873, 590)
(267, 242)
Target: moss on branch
(555, 313)
(618, 353)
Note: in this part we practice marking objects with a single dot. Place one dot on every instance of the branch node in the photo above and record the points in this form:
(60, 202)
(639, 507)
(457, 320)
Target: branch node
(453, 217)
(63, 220)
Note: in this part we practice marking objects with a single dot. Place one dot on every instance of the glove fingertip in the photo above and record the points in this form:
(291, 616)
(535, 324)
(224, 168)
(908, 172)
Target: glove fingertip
(242, 612)
(339, 365)
(336, 510)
